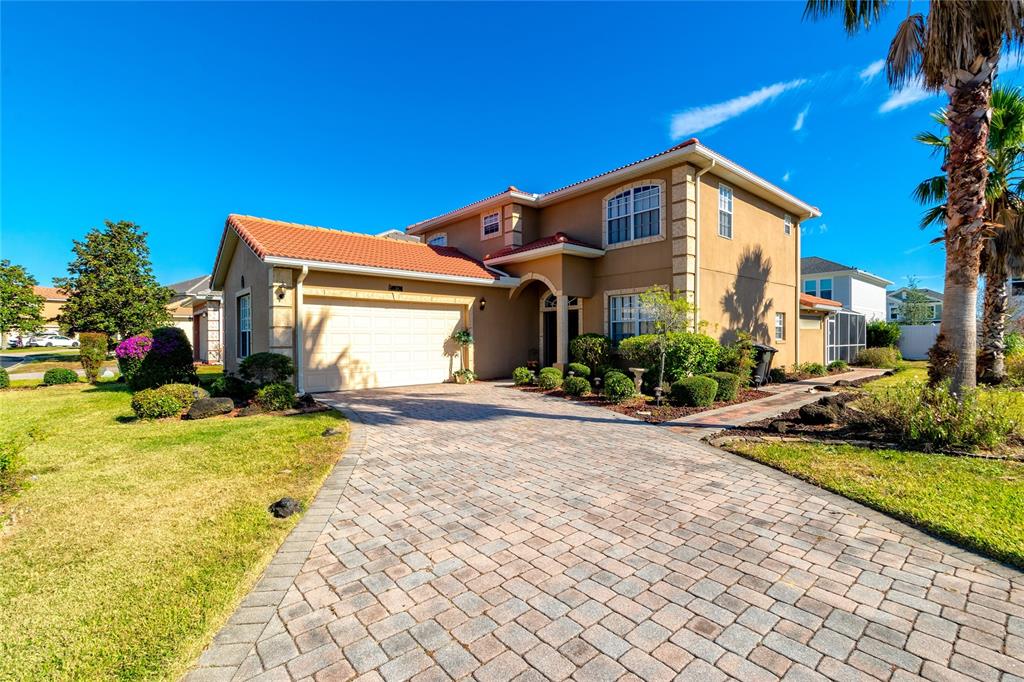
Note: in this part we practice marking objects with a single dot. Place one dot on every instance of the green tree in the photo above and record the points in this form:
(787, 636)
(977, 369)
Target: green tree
(20, 307)
(915, 306)
(110, 284)
(955, 46)
(668, 313)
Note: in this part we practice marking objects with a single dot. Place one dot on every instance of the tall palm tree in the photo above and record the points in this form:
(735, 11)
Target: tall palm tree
(1004, 196)
(955, 46)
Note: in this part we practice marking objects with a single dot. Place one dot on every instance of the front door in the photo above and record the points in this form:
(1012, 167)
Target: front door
(550, 354)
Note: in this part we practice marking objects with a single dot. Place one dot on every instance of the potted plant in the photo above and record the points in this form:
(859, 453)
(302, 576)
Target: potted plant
(464, 376)
(464, 338)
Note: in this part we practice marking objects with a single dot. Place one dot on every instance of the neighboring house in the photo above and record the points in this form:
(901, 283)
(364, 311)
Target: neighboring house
(858, 290)
(524, 272)
(896, 299)
(196, 310)
(54, 301)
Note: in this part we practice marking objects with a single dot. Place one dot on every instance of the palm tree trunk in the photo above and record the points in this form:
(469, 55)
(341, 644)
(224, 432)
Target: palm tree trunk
(991, 359)
(967, 170)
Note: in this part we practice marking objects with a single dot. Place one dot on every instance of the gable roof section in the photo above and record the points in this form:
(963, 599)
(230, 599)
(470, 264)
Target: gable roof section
(690, 151)
(556, 239)
(49, 293)
(813, 265)
(937, 295)
(275, 241)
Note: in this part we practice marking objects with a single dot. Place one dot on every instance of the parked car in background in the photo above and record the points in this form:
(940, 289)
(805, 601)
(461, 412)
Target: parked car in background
(54, 340)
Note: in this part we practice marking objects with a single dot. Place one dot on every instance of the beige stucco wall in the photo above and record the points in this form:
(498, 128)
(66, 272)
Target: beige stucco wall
(812, 338)
(244, 263)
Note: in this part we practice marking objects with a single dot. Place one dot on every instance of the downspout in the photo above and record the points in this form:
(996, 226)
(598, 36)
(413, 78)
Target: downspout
(696, 246)
(300, 379)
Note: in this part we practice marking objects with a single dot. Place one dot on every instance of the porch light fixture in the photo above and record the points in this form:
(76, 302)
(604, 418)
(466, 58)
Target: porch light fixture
(483, 303)
(280, 292)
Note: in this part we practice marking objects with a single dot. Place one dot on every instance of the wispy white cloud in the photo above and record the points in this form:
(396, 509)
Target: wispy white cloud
(915, 249)
(823, 228)
(698, 119)
(904, 97)
(868, 73)
(786, 176)
(800, 118)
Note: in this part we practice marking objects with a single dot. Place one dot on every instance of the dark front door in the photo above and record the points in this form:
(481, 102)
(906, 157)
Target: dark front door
(550, 353)
(574, 324)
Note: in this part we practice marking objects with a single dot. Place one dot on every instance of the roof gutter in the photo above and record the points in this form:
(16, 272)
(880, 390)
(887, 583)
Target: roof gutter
(502, 281)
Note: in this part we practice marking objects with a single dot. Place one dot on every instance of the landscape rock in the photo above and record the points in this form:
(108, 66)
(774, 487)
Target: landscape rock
(250, 410)
(837, 401)
(817, 415)
(842, 382)
(107, 373)
(284, 507)
(209, 407)
(780, 426)
(823, 389)
(331, 432)
(305, 400)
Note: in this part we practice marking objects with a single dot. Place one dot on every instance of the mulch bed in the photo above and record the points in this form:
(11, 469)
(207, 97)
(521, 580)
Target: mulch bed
(635, 406)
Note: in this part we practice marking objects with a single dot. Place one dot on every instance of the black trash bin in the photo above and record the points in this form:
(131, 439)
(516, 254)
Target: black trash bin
(763, 356)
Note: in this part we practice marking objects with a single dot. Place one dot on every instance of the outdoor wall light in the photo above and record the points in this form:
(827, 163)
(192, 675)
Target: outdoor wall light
(483, 303)
(280, 292)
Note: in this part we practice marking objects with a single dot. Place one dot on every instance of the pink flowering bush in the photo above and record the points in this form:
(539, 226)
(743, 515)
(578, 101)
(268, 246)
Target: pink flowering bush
(168, 361)
(130, 354)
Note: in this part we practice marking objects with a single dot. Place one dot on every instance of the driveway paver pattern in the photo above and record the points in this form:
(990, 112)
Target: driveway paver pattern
(492, 534)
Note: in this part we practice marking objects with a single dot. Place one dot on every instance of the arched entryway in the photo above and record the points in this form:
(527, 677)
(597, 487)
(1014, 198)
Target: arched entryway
(549, 325)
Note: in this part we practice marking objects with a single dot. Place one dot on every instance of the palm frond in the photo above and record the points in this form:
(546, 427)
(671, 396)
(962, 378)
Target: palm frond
(939, 144)
(961, 35)
(931, 190)
(906, 51)
(856, 14)
(936, 215)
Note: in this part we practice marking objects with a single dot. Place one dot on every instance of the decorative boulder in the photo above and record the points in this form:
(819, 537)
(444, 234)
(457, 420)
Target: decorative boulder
(780, 426)
(837, 401)
(331, 431)
(842, 382)
(816, 414)
(305, 400)
(107, 373)
(284, 507)
(209, 407)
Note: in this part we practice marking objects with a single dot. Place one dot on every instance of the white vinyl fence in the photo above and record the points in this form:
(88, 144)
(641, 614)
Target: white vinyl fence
(916, 339)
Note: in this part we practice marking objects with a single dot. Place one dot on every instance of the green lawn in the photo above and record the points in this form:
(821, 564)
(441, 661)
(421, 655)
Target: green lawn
(973, 502)
(131, 542)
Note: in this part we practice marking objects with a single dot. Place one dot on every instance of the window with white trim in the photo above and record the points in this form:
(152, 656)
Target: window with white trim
(780, 326)
(438, 240)
(725, 211)
(787, 225)
(243, 306)
(825, 288)
(811, 287)
(491, 224)
(634, 213)
(626, 317)
(1017, 286)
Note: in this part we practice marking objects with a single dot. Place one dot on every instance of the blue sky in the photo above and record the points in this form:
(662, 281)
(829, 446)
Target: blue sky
(367, 117)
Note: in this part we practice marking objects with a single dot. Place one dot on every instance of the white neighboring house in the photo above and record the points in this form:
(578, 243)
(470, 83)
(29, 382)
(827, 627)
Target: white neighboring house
(896, 299)
(196, 309)
(858, 290)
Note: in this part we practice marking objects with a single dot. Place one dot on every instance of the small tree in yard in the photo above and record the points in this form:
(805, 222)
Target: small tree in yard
(110, 284)
(668, 313)
(92, 353)
(20, 307)
(916, 306)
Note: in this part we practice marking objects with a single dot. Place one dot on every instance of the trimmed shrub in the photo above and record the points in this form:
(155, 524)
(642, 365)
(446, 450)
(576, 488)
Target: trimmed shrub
(521, 376)
(169, 361)
(266, 368)
(592, 350)
(130, 354)
(5, 378)
(550, 378)
(576, 386)
(777, 375)
(579, 369)
(59, 375)
(695, 391)
(738, 358)
(276, 396)
(882, 334)
(92, 352)
(152, 403)
(618, 387)
(883, 358)
(686, 354)
(837, 366)
(728, 385)
(1014, 344)
(186, 394)
(230, 386)
(812, 369)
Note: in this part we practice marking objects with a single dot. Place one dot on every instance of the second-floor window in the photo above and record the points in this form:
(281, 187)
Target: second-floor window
(634, 214)
(819, 287)
(780, 326)
(787, 224)
(725, 211)
(626, 317)
(438, 240)
(491, 224)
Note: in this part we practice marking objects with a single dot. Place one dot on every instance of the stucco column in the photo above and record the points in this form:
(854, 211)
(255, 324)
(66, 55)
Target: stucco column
(562, 325)
(684, 231)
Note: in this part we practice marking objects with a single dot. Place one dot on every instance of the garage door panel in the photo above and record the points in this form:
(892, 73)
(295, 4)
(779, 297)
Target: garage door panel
(357, 344)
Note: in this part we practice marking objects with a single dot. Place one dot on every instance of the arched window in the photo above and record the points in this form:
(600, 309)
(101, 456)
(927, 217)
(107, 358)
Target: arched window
(634, 213)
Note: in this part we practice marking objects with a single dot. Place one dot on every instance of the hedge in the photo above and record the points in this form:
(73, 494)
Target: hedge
(686, 354)
(695, 391)
(728, 385)
(592, 350)
(59, 375)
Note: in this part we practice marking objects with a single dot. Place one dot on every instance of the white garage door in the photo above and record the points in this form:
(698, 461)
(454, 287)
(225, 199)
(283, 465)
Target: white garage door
(366, 344)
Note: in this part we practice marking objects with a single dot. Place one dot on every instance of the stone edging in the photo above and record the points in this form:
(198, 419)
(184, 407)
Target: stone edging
(237, 639)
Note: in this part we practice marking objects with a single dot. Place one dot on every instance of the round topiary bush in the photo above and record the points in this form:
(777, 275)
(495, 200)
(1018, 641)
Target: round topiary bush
(618, 387)
(59, 375)
(695, 391)
(522, 376)
(92, 353)
(576, 386)
(277, 396)
(152, 403)
(592, 350)
(266, 368)
(5, 378)
(728, 385)
(578, 369)
(837, 366)
(229, 386)
(550, 378)
(168, 361)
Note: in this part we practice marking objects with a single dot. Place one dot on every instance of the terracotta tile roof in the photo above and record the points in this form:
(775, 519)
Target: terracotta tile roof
(51, 293)
(510, 188)
(687, 143)
(306, 242)
(557, 238)
(810, 301)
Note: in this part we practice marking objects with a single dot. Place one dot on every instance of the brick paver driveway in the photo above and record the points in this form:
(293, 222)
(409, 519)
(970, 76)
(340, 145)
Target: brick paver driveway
(498, 535)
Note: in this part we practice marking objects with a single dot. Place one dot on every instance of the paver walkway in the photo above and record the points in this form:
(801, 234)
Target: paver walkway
(787, 397)
(493, 534)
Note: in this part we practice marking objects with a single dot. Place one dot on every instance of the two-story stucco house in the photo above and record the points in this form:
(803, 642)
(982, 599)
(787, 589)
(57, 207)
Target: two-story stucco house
(858, 290)
(933, 299)
(525, 272)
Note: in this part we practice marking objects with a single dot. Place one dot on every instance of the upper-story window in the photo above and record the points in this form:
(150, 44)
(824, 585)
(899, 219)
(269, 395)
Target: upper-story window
(787, 225)
(634, 213)
(725, 211)
(780, 326)
(490, 224)
(819, 287)
(438, 240)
